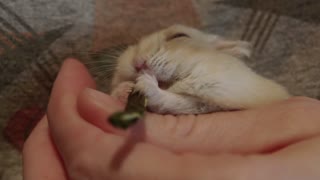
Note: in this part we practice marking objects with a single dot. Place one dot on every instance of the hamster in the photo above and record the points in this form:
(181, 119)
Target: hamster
(182, 70)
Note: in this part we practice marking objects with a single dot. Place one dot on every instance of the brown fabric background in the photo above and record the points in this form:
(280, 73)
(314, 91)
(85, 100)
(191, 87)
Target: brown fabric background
(120, 22)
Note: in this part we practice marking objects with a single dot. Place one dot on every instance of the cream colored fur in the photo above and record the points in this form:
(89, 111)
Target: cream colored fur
(202, 72)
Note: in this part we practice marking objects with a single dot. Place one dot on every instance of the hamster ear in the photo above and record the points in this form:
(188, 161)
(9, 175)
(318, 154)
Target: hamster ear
(239, 49)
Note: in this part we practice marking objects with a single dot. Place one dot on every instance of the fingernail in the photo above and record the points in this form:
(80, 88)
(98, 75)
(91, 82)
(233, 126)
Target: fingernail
(94, 94)
(101, 99)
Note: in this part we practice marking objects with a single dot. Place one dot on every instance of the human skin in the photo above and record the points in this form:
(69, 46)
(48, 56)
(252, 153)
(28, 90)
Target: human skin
(74, 140)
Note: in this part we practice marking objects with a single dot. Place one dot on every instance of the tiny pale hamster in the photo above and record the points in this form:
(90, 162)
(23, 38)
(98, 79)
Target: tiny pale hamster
(182, 70)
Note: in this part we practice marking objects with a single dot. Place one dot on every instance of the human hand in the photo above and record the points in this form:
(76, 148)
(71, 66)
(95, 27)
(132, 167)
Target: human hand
(274, 142)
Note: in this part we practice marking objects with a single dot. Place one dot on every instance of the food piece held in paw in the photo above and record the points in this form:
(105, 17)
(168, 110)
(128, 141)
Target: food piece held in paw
(124, 119)
(134, 111)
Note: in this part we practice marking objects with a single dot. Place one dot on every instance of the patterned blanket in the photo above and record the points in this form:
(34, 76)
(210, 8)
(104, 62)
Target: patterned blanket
(36, 36)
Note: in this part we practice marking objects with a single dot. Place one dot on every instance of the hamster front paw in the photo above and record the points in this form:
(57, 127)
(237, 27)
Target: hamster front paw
(147, 84)
(122, 91)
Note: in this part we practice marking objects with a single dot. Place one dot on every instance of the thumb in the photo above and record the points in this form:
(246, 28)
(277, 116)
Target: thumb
(96, 107)
(250, 131)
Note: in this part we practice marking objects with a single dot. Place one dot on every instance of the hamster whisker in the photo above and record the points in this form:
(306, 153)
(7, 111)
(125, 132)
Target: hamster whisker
(105, 77)
(121, 47)
(116, 52)
(99, 62)
(113, 56)
(101, 65)
(158, 57)
(104, 70)
(100, 53)
(112, 51)
(103, 74)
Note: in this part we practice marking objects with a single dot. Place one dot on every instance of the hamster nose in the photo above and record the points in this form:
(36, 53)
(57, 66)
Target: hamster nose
(140, 66)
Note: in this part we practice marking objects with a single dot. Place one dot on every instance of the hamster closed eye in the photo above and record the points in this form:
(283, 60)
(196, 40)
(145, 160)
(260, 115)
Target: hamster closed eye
(202, 73)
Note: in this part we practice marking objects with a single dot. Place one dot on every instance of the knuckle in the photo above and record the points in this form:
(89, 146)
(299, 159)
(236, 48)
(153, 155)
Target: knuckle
(168, 125)
(180, 132)
(185, 127)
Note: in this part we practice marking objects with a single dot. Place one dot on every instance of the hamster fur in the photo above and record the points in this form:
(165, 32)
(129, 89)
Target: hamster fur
(182, 70)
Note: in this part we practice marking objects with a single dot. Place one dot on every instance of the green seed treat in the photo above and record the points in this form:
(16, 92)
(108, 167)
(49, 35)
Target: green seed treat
(134, 111)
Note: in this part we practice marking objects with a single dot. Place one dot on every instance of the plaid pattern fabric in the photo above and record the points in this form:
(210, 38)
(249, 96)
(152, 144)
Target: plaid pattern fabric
(35, 37)
(31, 53)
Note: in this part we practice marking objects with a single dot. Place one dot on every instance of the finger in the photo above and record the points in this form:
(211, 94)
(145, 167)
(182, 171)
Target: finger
(114, 158)
(38, 152)
(252, 131)
(95, 107)
(65, 123)
(258, 130)
(297, 161)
